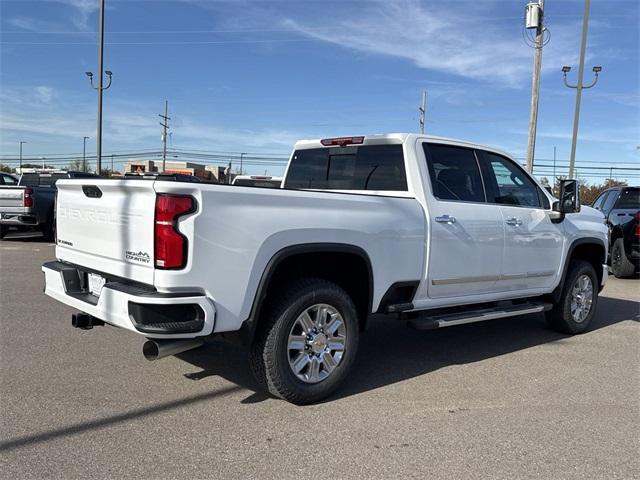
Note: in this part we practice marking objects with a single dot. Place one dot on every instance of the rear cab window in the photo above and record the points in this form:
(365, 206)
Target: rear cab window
(362, 167)
(629, 199)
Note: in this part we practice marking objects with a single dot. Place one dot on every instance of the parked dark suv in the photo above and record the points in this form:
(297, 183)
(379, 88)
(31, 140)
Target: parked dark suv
(621, 207)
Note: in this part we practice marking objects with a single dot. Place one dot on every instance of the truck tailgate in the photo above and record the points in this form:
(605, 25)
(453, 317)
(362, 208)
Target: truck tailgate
(11, 199)
(107, 226)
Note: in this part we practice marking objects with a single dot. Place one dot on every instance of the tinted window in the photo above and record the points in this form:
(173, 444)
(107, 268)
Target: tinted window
(610, 200)
(8, 180)
(372, 167)
(598, 204)
(454, 173)
(629, 199)
(246, 182)
(506, 183)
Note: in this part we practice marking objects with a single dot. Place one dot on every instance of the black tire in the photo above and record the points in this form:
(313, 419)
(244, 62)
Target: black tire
(269, 353)
(560, 318)
(620, 264)
(3, 231)
(49, 228)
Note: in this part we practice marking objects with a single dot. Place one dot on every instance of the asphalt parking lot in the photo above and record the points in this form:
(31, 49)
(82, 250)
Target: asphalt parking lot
(501, 399)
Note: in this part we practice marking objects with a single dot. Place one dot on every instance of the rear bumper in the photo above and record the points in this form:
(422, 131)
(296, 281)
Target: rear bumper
(140, 310)
(19, 219)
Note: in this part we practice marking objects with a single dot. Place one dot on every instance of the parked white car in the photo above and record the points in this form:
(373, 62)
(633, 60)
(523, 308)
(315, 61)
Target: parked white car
(434, 231)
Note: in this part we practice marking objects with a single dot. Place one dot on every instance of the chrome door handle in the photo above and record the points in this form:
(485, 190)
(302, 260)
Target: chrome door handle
(446, 219)
(514, 222)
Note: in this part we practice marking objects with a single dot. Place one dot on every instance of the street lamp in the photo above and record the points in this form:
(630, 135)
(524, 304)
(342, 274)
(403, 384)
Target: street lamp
(43, 159)
(579, 86)
(100, 88)
(84, 153)
(21, 143)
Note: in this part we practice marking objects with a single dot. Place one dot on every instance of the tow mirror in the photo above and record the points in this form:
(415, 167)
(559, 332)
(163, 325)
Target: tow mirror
(569, 196)
(569, 200)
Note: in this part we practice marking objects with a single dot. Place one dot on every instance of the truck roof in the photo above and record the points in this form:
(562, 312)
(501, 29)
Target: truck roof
(398, 138)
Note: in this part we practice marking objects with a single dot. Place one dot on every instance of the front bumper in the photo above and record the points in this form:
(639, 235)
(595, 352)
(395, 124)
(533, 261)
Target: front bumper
(605, 275)
(140, 310)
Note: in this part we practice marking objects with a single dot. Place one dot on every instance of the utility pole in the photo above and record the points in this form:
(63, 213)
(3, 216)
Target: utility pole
(111, 164)
(241, 157)
(535, 19)
(21, 143)
(579, 86)
(423, 111)
(165, 127)
(554, 168)
(84, 153)
(100, 88)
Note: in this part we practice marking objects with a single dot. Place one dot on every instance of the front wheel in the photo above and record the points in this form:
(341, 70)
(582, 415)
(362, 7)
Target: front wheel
(575, 309)
(307, 341)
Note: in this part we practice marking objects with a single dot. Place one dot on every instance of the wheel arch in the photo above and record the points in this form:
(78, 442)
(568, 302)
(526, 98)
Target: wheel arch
(344, 264)
(590, 249)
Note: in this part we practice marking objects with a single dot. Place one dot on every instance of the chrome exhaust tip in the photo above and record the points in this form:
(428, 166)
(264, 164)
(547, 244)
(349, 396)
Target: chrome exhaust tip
(157, 349)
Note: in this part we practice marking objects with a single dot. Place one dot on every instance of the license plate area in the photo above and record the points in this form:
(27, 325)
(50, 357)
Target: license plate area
(95, 283)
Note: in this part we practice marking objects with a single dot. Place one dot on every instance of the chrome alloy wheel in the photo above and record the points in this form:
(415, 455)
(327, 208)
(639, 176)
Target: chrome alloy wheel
(316, 343)
(581, 298)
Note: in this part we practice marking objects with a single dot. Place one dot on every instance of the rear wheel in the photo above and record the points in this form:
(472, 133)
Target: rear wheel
(307, 342)
(3, 231)
(620, 264)
(575, 309)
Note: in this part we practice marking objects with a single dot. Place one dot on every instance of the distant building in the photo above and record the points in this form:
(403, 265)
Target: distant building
(211, 173)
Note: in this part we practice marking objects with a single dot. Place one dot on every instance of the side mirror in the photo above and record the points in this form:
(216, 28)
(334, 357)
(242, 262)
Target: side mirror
(569, 197)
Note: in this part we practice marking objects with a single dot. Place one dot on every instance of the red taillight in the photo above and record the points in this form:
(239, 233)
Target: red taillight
(171, 245)
(27, 199)
(637, 229)
(342, 141)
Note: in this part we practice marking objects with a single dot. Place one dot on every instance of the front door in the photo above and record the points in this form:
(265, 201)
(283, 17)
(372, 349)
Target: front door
(533, 243)
(466, 234)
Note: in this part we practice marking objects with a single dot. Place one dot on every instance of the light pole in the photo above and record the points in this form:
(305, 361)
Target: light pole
(100, 88)
(579, 86)
(21, 143)
(43, 159)
(84, 153)
(241, 157)
(535, 19)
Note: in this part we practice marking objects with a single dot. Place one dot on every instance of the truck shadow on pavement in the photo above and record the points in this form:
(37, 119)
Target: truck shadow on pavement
(390, 353)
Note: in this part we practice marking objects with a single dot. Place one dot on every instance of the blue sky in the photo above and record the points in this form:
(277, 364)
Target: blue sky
(257, 75)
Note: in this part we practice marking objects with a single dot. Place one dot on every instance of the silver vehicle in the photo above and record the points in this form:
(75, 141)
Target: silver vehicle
(28, 203)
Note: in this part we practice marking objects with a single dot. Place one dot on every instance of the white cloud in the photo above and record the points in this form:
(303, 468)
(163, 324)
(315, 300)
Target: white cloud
(83, 11)
(460, 41)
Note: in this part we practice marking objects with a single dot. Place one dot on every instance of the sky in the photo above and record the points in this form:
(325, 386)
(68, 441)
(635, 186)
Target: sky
(255, 76)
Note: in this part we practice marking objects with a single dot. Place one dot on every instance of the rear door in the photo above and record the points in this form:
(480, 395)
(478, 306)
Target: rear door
(533, 244)
(107, 226)
(466, 233)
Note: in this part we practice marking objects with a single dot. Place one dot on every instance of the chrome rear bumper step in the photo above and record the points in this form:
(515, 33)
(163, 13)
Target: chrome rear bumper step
(430, 322)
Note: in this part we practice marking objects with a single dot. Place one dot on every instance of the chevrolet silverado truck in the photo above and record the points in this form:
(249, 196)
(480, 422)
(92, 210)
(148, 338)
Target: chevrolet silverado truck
(29, 203)
(621, 208)
(429, 231)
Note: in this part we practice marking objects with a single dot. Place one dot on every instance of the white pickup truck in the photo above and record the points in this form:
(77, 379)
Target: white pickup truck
(432, 231)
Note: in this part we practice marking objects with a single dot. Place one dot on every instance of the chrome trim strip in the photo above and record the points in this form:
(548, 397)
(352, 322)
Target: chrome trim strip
(541, 273)
(452, 281)
(491, 278)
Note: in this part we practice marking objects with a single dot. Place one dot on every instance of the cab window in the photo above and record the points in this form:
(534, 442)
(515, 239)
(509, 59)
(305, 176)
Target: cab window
(454, 173)
(506, 183)
(599, 203)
